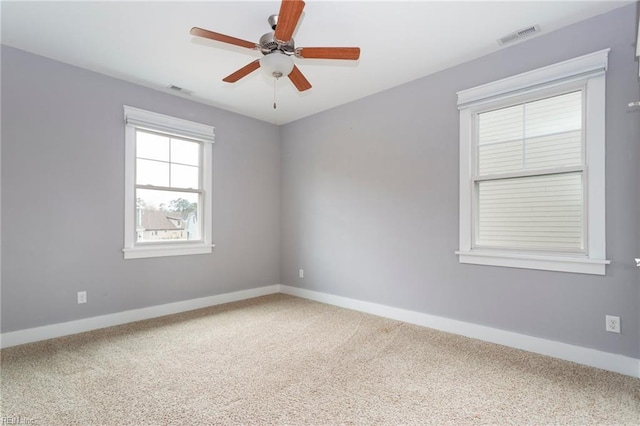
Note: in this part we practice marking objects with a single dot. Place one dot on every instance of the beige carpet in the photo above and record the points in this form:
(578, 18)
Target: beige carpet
(284, 360)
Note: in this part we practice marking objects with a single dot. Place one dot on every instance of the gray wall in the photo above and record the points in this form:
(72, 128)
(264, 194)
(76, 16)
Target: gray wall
(370, 201)
(63, 195)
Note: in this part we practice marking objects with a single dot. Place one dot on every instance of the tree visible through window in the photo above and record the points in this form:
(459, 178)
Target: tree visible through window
(168, 189)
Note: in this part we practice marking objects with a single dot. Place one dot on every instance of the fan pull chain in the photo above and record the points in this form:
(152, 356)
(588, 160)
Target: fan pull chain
(275, 80)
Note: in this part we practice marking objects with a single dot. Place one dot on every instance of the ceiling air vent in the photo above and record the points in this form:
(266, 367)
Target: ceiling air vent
(517, 35)
(180, 90)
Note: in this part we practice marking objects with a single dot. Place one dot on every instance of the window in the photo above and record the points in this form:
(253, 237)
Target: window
(532, 169)
(168, 185)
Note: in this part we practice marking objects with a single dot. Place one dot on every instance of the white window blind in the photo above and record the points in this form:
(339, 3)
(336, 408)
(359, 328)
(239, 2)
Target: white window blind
(541, 212)
(529, 183)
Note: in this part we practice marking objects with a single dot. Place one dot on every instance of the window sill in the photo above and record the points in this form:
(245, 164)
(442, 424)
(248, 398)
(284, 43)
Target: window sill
(166, 250)
(578, 265)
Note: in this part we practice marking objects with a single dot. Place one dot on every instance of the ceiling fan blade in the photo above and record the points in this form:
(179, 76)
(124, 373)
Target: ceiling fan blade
(288, 17)
(221, 37)
(299, 80)
(242, 72)
(349, 53)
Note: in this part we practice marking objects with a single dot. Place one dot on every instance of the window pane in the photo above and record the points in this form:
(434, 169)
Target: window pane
(500, 140)
(184, 176)
(185, 152)
(541, 212)
(150, 172)
(558, 114)
(501, 125)
(152, 146)
(500, 157)
(167, 215)
(564, 149)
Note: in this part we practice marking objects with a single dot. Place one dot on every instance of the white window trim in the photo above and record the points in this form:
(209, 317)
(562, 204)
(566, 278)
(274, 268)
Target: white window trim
(589, 69)
(638, 48)
(136, 118)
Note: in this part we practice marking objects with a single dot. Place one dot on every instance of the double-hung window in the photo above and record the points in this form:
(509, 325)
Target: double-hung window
(532, 169)
(168, 185)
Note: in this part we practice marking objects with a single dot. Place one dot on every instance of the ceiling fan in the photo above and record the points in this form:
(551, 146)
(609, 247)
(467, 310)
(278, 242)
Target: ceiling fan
(278, 47)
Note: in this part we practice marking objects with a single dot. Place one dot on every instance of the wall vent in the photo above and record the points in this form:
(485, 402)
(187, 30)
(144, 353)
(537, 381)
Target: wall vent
(516, 35)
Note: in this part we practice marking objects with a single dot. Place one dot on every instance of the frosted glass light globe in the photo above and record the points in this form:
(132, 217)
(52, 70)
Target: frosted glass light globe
(276, 64)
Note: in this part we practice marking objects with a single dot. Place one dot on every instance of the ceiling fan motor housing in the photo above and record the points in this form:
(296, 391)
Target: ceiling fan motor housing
(268, 44)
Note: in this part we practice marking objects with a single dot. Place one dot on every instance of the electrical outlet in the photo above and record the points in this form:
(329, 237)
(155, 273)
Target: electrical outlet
(301, 273)
(82, 297)
(613, 324)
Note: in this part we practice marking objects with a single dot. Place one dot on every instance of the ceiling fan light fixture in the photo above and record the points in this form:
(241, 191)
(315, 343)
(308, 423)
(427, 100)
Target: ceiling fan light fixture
(278, 48)
(276, 64)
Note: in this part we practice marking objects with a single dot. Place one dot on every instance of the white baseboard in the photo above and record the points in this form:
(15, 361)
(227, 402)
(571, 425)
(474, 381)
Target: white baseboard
(578, 354)
(581, 355)
(87, 324)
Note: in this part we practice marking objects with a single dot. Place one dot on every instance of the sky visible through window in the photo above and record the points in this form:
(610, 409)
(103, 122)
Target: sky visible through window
(166, 162)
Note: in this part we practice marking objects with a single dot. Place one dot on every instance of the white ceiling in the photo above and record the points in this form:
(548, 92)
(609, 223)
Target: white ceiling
(149, 43)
